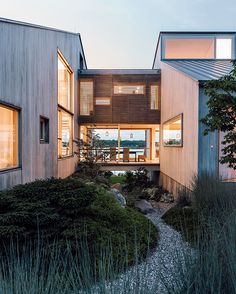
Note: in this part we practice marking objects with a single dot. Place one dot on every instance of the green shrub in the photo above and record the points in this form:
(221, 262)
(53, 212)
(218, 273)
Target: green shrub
(137, 179)
(69, 210)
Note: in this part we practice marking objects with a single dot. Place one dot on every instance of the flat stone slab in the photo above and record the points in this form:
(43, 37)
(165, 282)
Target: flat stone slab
(144, 206)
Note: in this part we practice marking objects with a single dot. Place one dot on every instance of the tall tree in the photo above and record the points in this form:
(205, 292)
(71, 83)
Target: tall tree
(222, 113)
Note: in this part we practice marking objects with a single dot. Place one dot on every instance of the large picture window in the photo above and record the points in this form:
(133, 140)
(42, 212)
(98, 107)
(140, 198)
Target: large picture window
(65, 134)
(173, 131)
(65, 84)
(86, 97)
(65, 108)
(9, 155)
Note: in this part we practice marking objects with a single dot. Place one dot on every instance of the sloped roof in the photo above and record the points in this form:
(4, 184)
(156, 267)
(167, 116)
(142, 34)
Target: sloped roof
(202, 70)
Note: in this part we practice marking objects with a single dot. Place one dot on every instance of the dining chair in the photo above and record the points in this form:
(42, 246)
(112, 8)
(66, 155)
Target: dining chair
(112, 153)
(126, 154)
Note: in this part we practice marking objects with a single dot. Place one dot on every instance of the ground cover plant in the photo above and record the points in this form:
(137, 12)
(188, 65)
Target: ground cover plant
(71, 211)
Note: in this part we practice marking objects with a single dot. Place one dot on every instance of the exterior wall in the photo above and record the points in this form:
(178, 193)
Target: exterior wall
(179, 94)
(123, 108)
(210, 148)
(28, 79)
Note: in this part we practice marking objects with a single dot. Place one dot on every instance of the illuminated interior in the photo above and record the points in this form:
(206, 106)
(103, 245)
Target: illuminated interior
(189, 48)
(172, 132)
(8, 138)
(86, 97)
(224, 48)
(129, 89)
(65, 134)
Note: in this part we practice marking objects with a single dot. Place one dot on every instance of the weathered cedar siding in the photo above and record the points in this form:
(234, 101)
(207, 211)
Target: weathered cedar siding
(179, 95)
(28, 79)
(123, 108)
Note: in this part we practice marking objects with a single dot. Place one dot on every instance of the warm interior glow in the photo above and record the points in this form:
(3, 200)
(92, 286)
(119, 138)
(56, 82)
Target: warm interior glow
(154, 96)
(86, 97)
(172, 132)
(189, 48)
(224, 48)
(64, 85)
(128, 89)
(8, 138)
(65, 135)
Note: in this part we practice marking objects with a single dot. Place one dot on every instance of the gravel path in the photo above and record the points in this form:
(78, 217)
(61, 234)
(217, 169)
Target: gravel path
(161, 272)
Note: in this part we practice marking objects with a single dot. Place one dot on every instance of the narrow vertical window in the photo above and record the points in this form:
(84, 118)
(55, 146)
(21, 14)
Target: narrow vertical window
(154, 97)
(223, 48)
(44, 129)
(65, 108)
(9, 137)
(86, 97)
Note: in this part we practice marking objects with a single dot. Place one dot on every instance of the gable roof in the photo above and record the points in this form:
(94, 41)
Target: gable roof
(202, 70)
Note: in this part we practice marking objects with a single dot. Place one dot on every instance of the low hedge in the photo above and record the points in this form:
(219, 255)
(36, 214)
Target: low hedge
(69, 211)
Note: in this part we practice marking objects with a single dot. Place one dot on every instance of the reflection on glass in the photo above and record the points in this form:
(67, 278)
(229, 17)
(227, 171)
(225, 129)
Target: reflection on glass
(172, 132)
(64, 134)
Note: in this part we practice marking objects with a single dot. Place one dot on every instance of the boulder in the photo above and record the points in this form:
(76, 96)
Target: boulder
(117, 186)
(154, 193)
(119, 197)
(144, 206)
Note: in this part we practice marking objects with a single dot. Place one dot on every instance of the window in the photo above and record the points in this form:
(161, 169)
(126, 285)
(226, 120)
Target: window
(65, 108)
(65, 84)
(86, 97)
(154, 96)
(65, 134)
(172, 132)
(44, 130)
(182, 48)
(127, 89)
(9, 145)
(223, 48)
(103, 101)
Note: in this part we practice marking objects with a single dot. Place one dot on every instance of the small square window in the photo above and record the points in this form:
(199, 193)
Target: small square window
(44, 130)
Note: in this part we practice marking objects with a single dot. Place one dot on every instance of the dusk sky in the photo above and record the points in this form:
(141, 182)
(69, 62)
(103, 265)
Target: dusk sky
(123, 33)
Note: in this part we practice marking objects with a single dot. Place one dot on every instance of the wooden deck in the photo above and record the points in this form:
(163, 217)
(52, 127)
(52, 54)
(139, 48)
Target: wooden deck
(150, 165)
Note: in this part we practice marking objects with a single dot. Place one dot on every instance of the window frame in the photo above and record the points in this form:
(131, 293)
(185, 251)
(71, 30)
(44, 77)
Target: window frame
(214, 36)
(158, 96)
(19, 136)
(182, 131)
(71, 72)
(93, 99)
(46, 138)
(60, 157)
(129, 84)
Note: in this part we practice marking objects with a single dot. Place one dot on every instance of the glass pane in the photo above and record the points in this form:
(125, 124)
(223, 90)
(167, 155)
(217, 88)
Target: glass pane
(64, 85)
(223, 48)
(189, 48)
(103, 101)
(172, 132)
(86, 97)
(128, 89)
(65, 136)
(8, 138)
(154, 97)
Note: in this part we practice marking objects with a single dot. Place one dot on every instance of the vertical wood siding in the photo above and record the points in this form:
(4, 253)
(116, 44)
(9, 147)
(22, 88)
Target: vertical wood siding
(179, 94)
(28, 79)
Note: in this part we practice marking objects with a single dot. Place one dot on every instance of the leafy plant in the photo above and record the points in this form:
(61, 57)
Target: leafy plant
(137, 179)
(222, 113)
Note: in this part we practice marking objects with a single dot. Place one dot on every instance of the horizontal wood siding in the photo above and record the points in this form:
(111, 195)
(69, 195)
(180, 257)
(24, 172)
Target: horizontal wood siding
(123, 108)
(28, 79)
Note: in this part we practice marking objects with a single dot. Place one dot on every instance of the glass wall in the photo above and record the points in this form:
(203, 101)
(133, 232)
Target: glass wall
(9, 157)
(172, 132)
